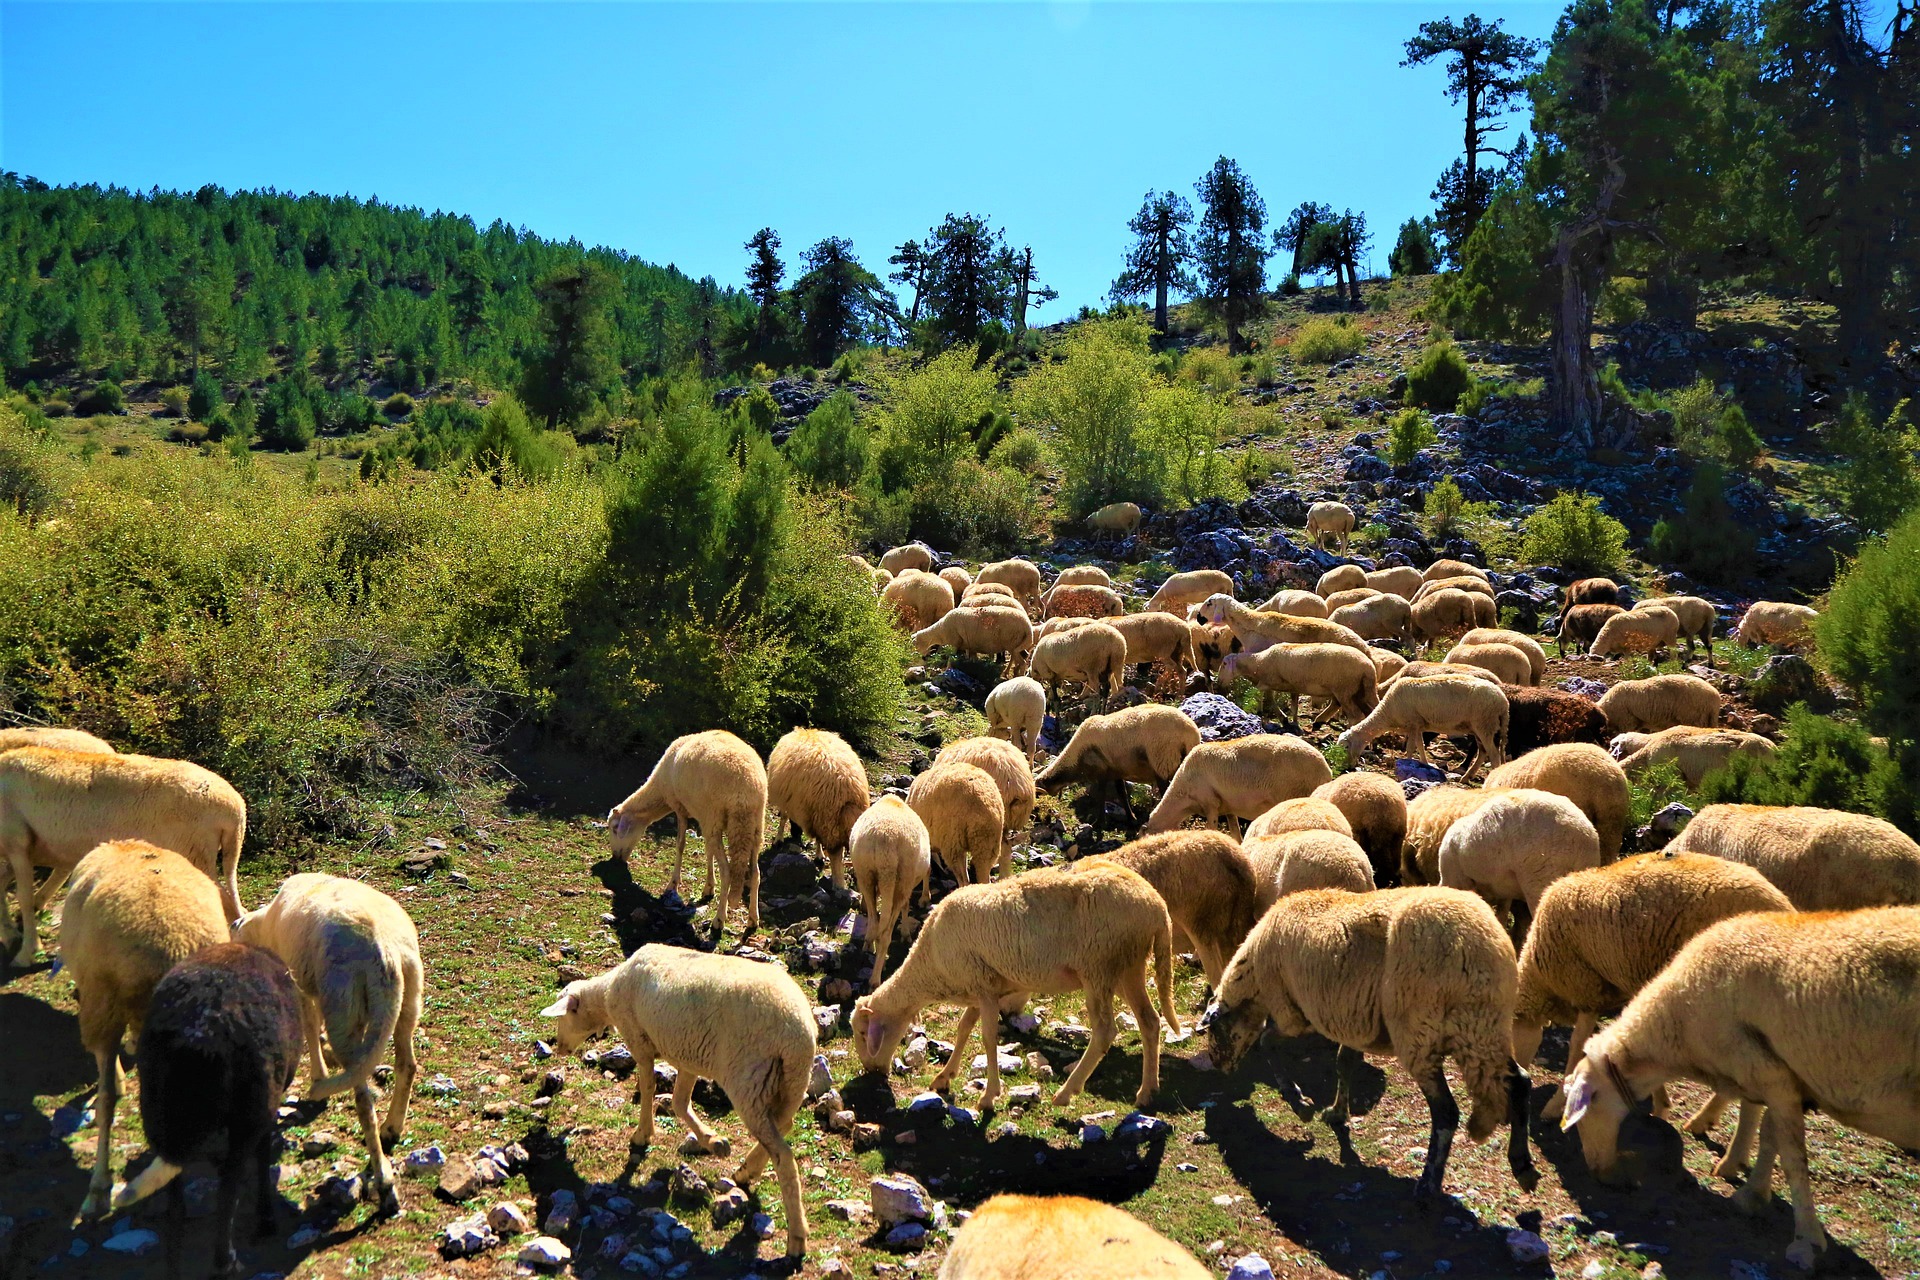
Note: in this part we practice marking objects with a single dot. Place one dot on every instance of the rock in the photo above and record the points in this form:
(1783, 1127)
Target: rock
(1218, 719)
(1091, 1133)
(1007, 1061)
(1135, 1127)
(1784, 679)
(907, 1236)
(508, 1219)
(1409, 770)
(467, 1237)
(1023, 1095)
(68, 1120)
(423, 1162)
(897, 1198)
(134, 1243)
(729, 1207)
(545, 1251)
(1524, 609)
(563, 1210)
(440, 1086)
(338, 1193)
(1589, 689)
(851, 1211)
(1074, 1034)
(788, 874)
(463, 1178)
(927, 1103)
(1251, 1267)
(618, 1060)
(1526, 1248)
(685, 1184)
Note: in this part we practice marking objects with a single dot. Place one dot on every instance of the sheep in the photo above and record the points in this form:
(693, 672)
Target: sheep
(1647, 628)
(135, 911)
(1014, 1237)
(1696, 617)
(1331, 519)
(891, 855)
(1469, 583)
(986, 593)
(1450, 612)
(1822, 859)
(1211, 645)
(1016, 710)
(915, 555)
(1207, 884)
(1515, 845)
(1543, 717)
(1424, 974)
(1009, 769)
(744, 1025)
(1352, 595)
(1302, 813)
(918, 599)
(1050, 931)
(958, 578)
(1001, 632)
(1116, 518)
(355, 959)
(1021, 575)
(1386, 665)
(1298, 604)
(1451, 569)
(1052, 626)
(1536, 655)
(1402, 581)
(1584, 774)
(56, 739)
(713, 779)
(1792, 1011)
(1660, 702)
(1430, 815)
(1696, 751)
(965, 817)
(1511, 665)
(1376, 809)
(1082, 602)
(1156, 637)
(880, 580)
(1443, 704)
(1775, 623)
(55, 806)
(1295, 861)
(1383, 617)
(819, 785)
(1420, 670)
(1589, 591)
(1241, 777)
(1343, 577)
(1136, 744)
(1094, 654)
(1345, 678)
(1083, 575)
(1183, 590)
(1582, 623)
(861, 563)
(1600, 935)
(1256, 630)
(221, 1040)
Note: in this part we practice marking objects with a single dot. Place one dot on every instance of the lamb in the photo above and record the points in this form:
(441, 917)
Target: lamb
(713, 779)
(1584, 774)
(1182, 590)
(1009, 770)
(1015, 1237)
(1424, 974)
(915, 555)
(1331, 671)
(1452, 569)
(1444, 704)
(1331, 520)
(1352, 595)
(1536, 655)
(1647, 628)
(918, 599)
(1016, 710)
(1137, 744)
(1207, 884)
(1021, 575)
(1776, 623)
(1089, 927)
(1822, 859)
(1544, 717)
(134, 912)
(965, 816)
(1696, 617)
(1298, 604)
(1342, 577)
(1302, 813)
(1376, 809)
(958, 578)
(1450, 612)
(1512, 665)
(1697, 751)
(744, 1025)
(1582, 623)
(819, 785)
(1083, 575)
(1238, 778)
(1003, 633)
(1467, 582)
(221, 1040)
(1660, 702)
(1515, 845)
(1211, 645)
(1295, 861)
(892, 855)
(1094, 654)
(986, 593)
(1401, 580)
(1589, 591)
(355, 959)
(56, 739)
(1116, 518)
(1256, 630)
(55, 806)
(1788, 1010)
(1156, 637)
(1384, 617)
(1082, 602)
(1430, 815)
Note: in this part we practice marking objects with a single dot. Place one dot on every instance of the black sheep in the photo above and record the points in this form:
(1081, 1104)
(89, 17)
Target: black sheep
(1545, 717)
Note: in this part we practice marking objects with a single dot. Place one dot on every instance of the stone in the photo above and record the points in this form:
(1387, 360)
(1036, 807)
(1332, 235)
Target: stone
(897, 1198)
(1218, 719)
(545, 1251)
(423, 1162)
(1135, 1127)
(907, 1236)
(618, 1060)
(1023, 1095)
(134, 1243)
(318, 1143)
(1091, 1133)
(338, 1193)
(1526, 1248)
(463, 1178)
(1784, 679)
(850, 1211)
(1006, 1061)
(729, 1207)
(685, 1184)
(638, 1263)
(1251, 1267)
(760, 1225)
(1073, 1033)
(440, 1086)
(507, 1219)
(820, 1081)
(927, 1103)
(1592, 690)
(563, 1210)
(1409, 770)
(467, 1237)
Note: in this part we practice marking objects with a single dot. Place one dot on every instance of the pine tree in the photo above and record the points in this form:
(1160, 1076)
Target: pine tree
(764, 273)
(1158, 261)
(914, 270)
(836, 299)
(1229, 250)
(1414, 252)
(971, 280)
(575, 366)
(1292, 235)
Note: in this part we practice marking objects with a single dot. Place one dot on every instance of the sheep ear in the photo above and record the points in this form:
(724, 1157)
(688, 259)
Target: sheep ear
(1579, 1093)
(566, 1004)
(875, 1032)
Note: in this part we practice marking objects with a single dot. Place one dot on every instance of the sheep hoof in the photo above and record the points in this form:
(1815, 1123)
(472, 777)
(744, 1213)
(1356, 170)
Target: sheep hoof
(1752, 1199)
(389, 1202)
(1803, 1254)
(1727, 1169)
(389, 1138)
(1528, 1177)
(94, 1207)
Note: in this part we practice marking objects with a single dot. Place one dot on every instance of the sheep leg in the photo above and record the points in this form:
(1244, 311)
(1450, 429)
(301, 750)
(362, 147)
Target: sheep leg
(990, 1045)
(379, 1168)
(55, 878)
(1133, 989)
(643, 1060)
(698, 1133)
(266, 1196)
(1519, 1150)
(1789, 1124)
(769, 1134)
(228, 1198)
(106, 1098)
(405, 1068)
(943, 1080)
(679, 851)
(1756, 1193)
(1741, 1147)
(1100, 1015)
(1417, 745)
(1445, 1114)
(21, 860)
(310, 1030)
(176, 1227)
(882, 936)
(1583, 1027)
(837, 867)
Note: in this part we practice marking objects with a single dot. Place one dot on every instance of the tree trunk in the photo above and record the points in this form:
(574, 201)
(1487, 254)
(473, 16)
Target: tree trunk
(1574, 384)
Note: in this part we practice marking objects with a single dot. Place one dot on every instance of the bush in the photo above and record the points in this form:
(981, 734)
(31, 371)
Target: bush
(1707, 424)
(1020, 449)
(1879, 472)
(203, 397)
(929, 416)
(1408, 433)
(1476, 397)
(829, 450)
(1704, 538)
(286, 417)
(1449, 514)
(1823, 762)
(1212, 368)
(1323, 340)
(27, 484)
(398, 407)
(1187, 424)
(1439, 377)
(173, 402)
(1414, 252)
(1652, 791)
(1290, 285)
(973, 508)
(1573, 533)
(104, 397)
(1095, 398)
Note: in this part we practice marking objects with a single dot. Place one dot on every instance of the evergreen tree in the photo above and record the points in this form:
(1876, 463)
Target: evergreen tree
(1414, 252)
(1292, 235)
(1027, 292)
(764, 273)
(837, 298)
(914, 269)
(575, 366)
(1157, 262)
(1334, 245)
(970, 282)
(1229, 250)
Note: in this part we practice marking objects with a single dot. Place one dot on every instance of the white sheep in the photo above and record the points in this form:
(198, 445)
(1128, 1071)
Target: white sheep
(1696, 617)
(1452, 569)
(1296, 861)
(1511, 665)
(1352, 595)
(1021, 1237)
(1000, 632)
(1342, 577)
(717, 781)
(1660, 702)
(1430, 815)
(57, 739)
(1116, 518)
(1331, 520)
(1136, 744)
(1383, 617)
(915, 555)
(1515, 845)
(1238, 778)
(1093, 654)
(918, 599)
(1645, 628)
(1296, 603)
(1257, 631)
(1696, 751)
(1346, 679)
(1776, 623)
(1584, 774)
(1021, 575)
(1156, 637)
(1084, 575)
(1376, 808)
(1302, 813)
(1822, 859)
(965, 817)
(1450, 611)
(1211, 645)
(1401, 581)
(1010, 771)
(818, 784)
(1437, 704)
(1536, 653)
(958, 578)
(985, 593)
(1208, 885)
(1081, 601)
(891, 855)
(1016, 709)
(1181, 591)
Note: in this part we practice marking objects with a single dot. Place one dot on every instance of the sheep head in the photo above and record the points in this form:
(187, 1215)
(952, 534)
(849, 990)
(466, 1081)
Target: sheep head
(581, 1018)
(1598, 1100)
(1213, 609)
(1231, 1029)
(877, 1035)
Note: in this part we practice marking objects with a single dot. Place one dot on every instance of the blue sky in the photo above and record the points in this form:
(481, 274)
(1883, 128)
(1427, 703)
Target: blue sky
(674, 131)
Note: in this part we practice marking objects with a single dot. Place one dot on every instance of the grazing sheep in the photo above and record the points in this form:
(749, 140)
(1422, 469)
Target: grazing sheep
(1207, 884)
(915, 555)
(1416, 707)
(965, 817)
(1584, 774)
(918, 599)
(1009, 770)
(1083, 575)
(1376, 808)
(1386, 665)
(819, 785)
(355, 958)
(1773, 622)
(1430, 815)
(1021, 575)
(219, 1047)
(1156, 637)
(1296, 603)
(1238, 778)
(134, 912)
(1660, 702)
(1094, 654)
(1402, 580)
(1020, 1237)
(1053, 626)
(880, 580)
(717, 781)
(1589, 591)
(1183, 590)
(1082, 602)
(958, 578)
(1423, 974)
(1544, 717)
(1342, 577)
(1582, 625)
(54, 739)
(1472, 585)
(1822, 859)
(1331, 520)
(1450, 612)
(1116, 518)
(1016, 710)
(1696, 617)
(1091, 927)
(1383, 617)
(985, 593)
(1137, 744)
(1352, 595)
(1515, 845)
(892, 855)
(1420, 670)
(862, 564)
(1793, 1011)
(1256, 630)
(55, 806)
(1211, 645)
(1647, 628)
(1334, 672)
(1302, 813)
(999, 632)
(744, 1025)
(1511, 665)
(1697, 751)
(1295, 861)
(1451, 569)
(1536, 655)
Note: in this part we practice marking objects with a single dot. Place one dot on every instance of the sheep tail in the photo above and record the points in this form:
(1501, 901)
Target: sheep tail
(375, 1014)
(230, 842)
(150, 1179)
(1163, 973)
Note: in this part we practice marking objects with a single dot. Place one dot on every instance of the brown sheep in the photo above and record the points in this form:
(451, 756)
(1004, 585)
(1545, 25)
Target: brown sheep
(1207, 884)
(816, 781)
(1082, 602)
(1137, 744)
(1582, 623)
(1589, 591)
(1543, 717)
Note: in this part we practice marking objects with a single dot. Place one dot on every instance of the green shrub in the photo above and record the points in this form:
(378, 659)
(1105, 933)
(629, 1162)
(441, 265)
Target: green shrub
(1323, 340)
(973, 508)
(1879, 468)
(398, 407)
(286, 417)
(1186, 426)
(1449, 514)
(1653, 790)
(56, 406)
(1290, 285)
(1477, 396)
(203, 396)
(1573, 533)
(829, 450)
(173, 402)
(1212, 368)
(1408, 432)
(1704, 538)
(102, 397)
(1020, 449)
(1820, 761)
(27, 467)
(1439, 377)
(1707, 424)
(1098, 400)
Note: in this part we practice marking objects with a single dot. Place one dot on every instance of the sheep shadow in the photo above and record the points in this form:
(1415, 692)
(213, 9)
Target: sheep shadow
(640, 917)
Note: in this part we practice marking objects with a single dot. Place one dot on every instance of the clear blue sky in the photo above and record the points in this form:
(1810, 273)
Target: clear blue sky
(675, 130)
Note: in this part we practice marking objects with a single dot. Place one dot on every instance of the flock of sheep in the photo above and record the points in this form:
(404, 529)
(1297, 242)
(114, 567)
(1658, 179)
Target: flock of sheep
(1769, 953)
